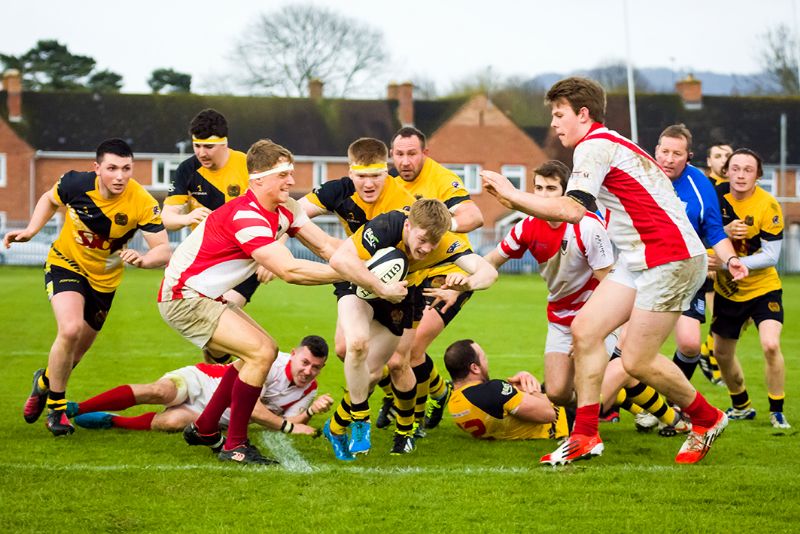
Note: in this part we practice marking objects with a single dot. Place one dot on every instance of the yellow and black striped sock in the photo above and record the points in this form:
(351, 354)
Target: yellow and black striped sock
(57, 400)
(404, 406)
(741, 400)
(437, 387)
(341, 418)
(654, 403)
(625, 403)
(44, 380)
(776, 402)
(360, 411)
(385, 383)
(712, 361)
(422, 373)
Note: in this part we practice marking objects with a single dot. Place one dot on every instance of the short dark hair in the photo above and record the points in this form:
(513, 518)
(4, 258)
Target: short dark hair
(115, 146)
(717, 144)
(458, 357)
(676, 131)
(580, 93)
(316, 345)
(207, 123)
(747, 152)
(554, 169)
(367, 150)
(410, 131)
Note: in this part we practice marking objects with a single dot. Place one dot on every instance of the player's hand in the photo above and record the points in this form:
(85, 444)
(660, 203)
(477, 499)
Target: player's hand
(525, 382)
(714, 264)
(457, 281)
(130, 256)
(737, 269)
(197, 215)
(264, 275)
(322, 403)
(498, 186)
(16, 236)
(394, 292)
(736, 229)
(300, 428)
(439, 295)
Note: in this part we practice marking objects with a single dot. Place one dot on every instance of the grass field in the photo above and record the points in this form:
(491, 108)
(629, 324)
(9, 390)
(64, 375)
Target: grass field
(118, 481)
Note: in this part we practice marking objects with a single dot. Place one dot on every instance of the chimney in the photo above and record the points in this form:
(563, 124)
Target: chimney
(12, 83)
(690, 89)
(391, 91)
(315, 89)
(405, 104)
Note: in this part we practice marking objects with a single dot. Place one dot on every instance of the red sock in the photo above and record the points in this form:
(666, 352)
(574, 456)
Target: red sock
(586, 420)
(243, 400)
(139, 422)
(208, 422)
(701, 412)
(113, 400)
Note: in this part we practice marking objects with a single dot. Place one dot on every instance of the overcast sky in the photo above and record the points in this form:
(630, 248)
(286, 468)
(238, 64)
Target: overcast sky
(441, 40)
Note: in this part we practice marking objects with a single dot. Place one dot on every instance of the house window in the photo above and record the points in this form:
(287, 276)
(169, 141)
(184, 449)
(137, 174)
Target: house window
(516, 174)
(3, 173)
(3, 220)
(768, 180)
(469, 174)
(163, 172)
(320, 173)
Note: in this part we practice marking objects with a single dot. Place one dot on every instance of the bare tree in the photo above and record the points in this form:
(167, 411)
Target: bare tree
(284, 49)
(779, 57)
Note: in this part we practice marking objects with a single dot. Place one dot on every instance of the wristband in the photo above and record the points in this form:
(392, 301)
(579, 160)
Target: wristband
(310, 411)
(453, 224)
(287, 427)
(728, 263)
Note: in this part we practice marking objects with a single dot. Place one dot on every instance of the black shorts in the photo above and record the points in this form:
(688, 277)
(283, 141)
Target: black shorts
(248, 287)
(729, 316)
(708, 285)
(697, 308)
(96, 304)
(396, 317)
(452, 311)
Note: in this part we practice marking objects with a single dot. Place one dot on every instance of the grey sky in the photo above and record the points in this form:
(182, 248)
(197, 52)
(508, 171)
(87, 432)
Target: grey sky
(442, 40)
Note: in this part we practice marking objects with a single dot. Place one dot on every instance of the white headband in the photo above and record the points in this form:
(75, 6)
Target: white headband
(283, 167)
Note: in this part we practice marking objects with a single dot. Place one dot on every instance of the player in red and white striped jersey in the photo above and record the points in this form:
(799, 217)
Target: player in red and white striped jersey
(224, 250)
(572, 259)
(287, 396)
(661, 265)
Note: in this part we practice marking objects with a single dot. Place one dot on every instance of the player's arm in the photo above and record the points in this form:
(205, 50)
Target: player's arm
(263, 416)
(481, 274)
(157, 256)
(466, 217)
(347, 262)
(535, 408)
(311, 209)
(564, 208)
(495, 259)
(175, 218)
(317, 241)
(45, 208)
(278, 259)
(321, 404)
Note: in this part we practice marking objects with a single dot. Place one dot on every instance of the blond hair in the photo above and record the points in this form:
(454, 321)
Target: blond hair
(367, 150)
(432, 216)
(265, 154)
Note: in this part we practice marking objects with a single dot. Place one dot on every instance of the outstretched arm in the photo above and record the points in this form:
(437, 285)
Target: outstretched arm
(45, 208)
(552, 209)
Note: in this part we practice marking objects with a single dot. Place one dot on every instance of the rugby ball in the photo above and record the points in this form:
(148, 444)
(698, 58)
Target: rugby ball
(389, 265)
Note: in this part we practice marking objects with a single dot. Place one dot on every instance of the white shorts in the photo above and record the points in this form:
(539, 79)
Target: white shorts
(195, 318)
(559, 339)
(664, 288)
(195, 389)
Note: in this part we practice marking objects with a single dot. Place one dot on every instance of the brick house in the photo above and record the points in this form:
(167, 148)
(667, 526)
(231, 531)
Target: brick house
(42, 135)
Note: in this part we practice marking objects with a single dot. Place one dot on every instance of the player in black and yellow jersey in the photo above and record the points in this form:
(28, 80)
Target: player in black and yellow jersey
(717, 155)
(104, 209)
(205, 181)
(754, 222)
(374, 328)
(509, 409)
(423, 177)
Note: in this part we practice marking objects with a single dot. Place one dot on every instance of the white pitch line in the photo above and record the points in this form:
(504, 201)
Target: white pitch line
(281, 447)
(352, 469)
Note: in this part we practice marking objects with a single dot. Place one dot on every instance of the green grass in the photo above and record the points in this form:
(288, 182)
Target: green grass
(121, 481)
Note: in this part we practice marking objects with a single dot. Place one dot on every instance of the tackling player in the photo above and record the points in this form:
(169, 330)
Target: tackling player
(105, 208)
(661, 265)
